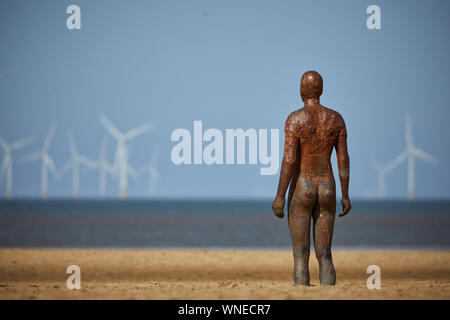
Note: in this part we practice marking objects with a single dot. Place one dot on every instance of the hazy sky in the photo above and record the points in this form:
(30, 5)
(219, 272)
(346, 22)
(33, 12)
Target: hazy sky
(231, 64)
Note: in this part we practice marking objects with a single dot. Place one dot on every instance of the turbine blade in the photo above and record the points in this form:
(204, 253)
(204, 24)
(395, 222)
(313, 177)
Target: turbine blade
(87, 162)
(48, 139)
(132, 172)
(110, 127)
(408, 132)
(397, 161)
(116, 156)
(66, 167)
(106, 166)
(51, 165)
(376, 165)
(109, 168)
(133, 133)
(22, 143)
(424, 156)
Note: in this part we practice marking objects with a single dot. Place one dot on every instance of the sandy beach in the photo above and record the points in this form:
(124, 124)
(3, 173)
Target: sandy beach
(217, 274)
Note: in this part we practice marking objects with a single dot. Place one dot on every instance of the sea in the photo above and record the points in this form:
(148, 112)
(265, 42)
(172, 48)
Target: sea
(206, 224)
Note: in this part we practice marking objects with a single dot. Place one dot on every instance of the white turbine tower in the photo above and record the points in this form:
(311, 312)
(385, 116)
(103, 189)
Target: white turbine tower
(153, 174)
(7, 164)
(409, 154)
(104, 167)
(76, 160)
(47, 162)
(121, 156)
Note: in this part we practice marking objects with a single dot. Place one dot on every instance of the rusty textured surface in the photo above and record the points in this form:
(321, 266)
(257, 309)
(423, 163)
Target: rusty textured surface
(311, 133)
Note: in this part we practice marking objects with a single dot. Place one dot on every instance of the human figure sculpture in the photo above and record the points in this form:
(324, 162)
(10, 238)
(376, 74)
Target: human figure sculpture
(311, 133)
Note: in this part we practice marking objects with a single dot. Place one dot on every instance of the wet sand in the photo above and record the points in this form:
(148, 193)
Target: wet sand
(217, 274)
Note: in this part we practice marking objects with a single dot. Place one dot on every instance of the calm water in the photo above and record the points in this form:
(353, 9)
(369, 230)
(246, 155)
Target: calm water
(212, 224)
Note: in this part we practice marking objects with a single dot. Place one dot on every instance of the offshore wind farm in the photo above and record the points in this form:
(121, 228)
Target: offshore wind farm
(119, 169)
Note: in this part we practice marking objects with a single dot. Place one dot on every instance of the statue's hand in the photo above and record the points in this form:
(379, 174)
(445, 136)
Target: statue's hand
(346, 206)
(278, 207)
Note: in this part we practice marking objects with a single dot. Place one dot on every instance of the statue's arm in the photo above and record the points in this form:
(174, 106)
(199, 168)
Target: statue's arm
(343, 161)
(287, 167)
(295, 174)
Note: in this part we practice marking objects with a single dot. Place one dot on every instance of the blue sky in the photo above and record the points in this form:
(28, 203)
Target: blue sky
(231, 64)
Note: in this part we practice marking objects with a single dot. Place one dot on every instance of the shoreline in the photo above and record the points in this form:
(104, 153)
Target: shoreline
(249, 248)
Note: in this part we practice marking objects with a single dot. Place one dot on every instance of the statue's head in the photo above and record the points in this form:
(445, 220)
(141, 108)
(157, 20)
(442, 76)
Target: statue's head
(311, 85)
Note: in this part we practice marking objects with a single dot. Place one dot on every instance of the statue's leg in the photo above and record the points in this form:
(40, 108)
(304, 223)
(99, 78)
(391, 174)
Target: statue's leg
(323, 218)
(300, 211)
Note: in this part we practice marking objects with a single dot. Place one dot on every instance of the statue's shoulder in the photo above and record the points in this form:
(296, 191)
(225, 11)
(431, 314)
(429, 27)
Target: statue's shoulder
(295, 121)
(335, 117)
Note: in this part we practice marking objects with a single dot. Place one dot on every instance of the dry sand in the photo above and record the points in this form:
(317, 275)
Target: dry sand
(217, 274)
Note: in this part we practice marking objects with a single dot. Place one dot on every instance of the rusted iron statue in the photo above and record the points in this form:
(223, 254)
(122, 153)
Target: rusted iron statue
(311, 133)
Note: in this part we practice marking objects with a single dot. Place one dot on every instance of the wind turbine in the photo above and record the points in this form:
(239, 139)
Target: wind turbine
(152, 172)
(7, 164)
(410, 153)
(121, 155)
(47, 162)
(381, 171)
(74, 163)
(104, 167)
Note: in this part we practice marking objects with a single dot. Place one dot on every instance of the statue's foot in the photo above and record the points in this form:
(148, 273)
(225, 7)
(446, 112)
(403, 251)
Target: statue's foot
(301, 283)
(328, 281)
(301, 277)
(327, 274)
